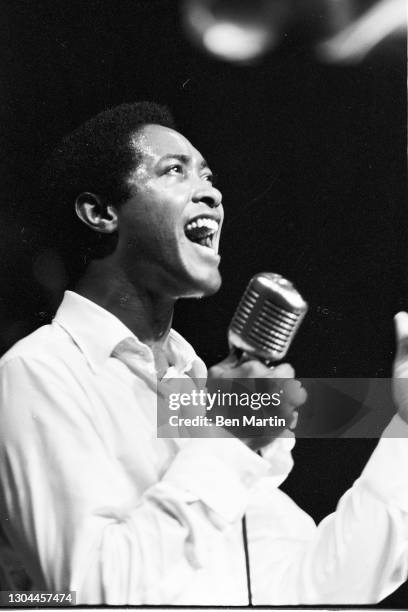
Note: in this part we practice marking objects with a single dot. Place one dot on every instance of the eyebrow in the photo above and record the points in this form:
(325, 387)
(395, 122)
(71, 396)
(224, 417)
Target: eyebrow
(185, 159)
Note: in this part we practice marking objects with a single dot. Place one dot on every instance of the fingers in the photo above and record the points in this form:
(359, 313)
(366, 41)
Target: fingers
(401, 325)
(251, 368)
(401, 332)
(257, 369)
(284, 370)
(294, 393)
(224, 368)
(294, 421)
(254, 369)
(400, 382)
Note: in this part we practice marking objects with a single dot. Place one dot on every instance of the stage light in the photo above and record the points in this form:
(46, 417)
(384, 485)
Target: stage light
(383, 20)
(238, 31)
(340, 31)
(235, 42)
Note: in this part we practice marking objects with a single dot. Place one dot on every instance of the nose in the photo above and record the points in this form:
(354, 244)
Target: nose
(208, 194)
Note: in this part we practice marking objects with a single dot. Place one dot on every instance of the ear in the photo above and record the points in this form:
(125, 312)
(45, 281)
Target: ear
(95, 214)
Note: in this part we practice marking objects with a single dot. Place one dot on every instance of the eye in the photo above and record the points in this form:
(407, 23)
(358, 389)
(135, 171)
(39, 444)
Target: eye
(175, 169)
(211, 178)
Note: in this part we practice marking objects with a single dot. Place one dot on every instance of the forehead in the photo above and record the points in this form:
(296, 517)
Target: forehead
(156, 141)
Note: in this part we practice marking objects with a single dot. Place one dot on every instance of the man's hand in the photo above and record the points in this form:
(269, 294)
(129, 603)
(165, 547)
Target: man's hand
(400, 383)
(272, 380)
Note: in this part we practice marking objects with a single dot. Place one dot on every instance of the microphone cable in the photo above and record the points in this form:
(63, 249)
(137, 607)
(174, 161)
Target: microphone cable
(247, 566)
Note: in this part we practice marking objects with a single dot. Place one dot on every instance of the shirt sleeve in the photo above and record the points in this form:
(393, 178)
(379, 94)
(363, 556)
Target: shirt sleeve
(358, 554)
(72, 516)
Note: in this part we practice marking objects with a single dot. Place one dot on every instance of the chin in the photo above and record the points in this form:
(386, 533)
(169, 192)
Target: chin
(214, 286)
(203, 287)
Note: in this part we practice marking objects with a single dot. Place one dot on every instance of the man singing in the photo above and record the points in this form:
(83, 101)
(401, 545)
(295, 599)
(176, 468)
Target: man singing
(91, 499)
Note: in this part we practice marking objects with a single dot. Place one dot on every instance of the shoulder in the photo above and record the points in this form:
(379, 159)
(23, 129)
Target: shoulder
(41, 383)
(39, 340)
(48, 349)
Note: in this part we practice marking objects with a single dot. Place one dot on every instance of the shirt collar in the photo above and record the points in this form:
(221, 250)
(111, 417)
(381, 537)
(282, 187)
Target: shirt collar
(97, 332)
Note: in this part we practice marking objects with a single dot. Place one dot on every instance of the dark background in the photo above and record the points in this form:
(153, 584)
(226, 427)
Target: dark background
(311, 162)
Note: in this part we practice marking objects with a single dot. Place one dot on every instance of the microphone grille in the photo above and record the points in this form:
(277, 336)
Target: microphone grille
(267, 317)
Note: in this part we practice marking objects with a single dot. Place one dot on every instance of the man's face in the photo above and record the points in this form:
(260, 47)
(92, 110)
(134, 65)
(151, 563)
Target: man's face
(169, 229)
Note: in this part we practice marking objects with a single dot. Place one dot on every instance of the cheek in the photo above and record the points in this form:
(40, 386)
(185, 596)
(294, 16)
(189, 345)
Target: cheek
(152, 234)
(138, 216)
(152, 219)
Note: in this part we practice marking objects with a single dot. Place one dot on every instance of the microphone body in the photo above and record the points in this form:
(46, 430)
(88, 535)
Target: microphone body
(267, 318)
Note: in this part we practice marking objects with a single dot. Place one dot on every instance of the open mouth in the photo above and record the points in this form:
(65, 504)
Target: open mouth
(202, 231)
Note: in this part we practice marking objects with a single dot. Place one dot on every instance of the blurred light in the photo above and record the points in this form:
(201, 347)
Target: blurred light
(339, 14)
(235, 30)
(355, 41)
(242, 31)
(235, 42)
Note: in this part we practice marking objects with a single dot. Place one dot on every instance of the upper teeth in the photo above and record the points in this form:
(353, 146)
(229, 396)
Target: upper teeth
(203, 222)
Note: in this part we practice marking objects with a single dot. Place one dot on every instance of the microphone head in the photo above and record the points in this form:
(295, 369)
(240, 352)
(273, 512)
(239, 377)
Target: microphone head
(267, 318)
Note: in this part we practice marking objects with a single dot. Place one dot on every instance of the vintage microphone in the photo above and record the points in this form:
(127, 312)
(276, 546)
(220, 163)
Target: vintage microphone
(263, 327)
(266, 319)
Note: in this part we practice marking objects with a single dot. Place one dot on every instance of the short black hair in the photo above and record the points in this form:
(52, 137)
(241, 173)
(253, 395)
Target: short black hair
(97, 157)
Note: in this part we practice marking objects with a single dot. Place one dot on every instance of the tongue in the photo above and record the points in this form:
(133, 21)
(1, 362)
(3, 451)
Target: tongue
(196, 234)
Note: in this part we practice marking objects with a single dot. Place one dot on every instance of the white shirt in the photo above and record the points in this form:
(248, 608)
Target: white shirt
(92, 501)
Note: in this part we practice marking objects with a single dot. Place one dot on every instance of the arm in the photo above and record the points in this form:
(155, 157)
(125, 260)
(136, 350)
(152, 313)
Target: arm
(358, 554)
(72, 514)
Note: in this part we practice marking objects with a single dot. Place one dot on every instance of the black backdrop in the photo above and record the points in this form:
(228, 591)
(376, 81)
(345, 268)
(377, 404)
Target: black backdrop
(311, 162)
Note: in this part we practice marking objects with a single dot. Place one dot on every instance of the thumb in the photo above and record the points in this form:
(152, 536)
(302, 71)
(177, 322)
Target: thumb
(220, 368)
(233, 358)
(401, 333)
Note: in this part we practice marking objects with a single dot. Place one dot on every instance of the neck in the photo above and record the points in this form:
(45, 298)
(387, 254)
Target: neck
(147, 315)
